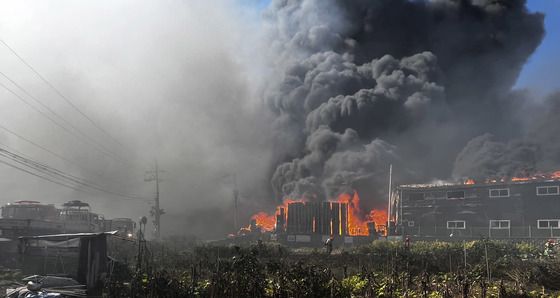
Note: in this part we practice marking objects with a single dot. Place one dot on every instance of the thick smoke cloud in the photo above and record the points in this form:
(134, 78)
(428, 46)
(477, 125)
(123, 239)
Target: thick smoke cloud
(485, 158)
(399, 89)
(412, 82)
(169, 80)
(320, 102)
(534, 150)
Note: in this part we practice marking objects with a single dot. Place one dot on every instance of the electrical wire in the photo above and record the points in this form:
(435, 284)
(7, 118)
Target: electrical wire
(58, 173)
(87, 140)
(57, 176)
(35, 144)
(46, 107)
(52, 87)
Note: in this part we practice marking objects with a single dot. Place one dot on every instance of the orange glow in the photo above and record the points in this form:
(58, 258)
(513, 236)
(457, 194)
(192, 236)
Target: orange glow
(357, 219)
(357, 225)
(469, 182)
(544, 176)
(538, 176)
(379, 217)
(265, 221)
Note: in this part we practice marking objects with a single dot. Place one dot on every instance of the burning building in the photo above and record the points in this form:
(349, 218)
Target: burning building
(300, 222)
(354, 89)
(526, 207)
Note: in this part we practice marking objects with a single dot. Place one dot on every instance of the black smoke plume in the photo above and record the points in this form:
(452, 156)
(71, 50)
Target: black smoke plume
(359, 85)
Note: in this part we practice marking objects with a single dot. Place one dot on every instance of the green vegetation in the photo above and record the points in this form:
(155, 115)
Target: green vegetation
(382, 269)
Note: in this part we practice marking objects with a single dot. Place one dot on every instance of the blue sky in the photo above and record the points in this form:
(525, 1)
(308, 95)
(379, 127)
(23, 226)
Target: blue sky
(542, 72)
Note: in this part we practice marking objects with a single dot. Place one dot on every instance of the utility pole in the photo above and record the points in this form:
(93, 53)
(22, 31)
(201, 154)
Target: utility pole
(156, 211)
(389, 205)
(235, 201)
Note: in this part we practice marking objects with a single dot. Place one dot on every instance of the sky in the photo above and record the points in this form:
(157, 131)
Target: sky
(149, 65)
(145, 74)
(540, 74)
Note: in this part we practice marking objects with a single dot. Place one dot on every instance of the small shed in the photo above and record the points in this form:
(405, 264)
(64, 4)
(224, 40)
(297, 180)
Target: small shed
(82, 256)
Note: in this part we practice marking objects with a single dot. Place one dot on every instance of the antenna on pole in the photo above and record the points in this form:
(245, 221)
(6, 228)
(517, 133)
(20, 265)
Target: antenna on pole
(389, 200)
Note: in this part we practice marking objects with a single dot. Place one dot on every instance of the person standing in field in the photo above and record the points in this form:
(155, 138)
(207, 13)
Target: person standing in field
(329, 244)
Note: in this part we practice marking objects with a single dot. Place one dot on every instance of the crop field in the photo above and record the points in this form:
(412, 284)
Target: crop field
(480, 268)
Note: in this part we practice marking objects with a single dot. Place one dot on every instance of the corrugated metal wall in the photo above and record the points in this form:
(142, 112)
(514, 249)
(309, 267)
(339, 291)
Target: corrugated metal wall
(323, 218)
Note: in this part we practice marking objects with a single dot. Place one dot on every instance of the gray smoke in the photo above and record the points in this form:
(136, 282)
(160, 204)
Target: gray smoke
(535, 148)
(396, 81)
(486, 158)
(168, 80)
(320, 102)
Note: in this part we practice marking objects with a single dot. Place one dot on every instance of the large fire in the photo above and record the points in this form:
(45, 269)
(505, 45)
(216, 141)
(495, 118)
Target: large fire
(267, 222)
(357, 219)
(538, 176)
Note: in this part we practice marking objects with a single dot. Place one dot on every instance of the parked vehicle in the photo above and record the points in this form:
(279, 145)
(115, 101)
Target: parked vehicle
(23, 218)
(30, 218)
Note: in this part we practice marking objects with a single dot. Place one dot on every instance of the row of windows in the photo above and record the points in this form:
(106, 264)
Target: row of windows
(492, 193)
(500, 224)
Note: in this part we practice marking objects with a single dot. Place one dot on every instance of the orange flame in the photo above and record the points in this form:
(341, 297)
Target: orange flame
(538, 176)
(378, 216)
(265, 221)
(357, 225)
(546, 176)
(516, 179)
(357, 220)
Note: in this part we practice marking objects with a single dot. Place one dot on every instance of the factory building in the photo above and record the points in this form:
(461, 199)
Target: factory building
(515, 209)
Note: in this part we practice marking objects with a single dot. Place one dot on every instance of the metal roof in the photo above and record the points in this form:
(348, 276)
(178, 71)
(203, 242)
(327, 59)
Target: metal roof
(75, 235)
(444, 185)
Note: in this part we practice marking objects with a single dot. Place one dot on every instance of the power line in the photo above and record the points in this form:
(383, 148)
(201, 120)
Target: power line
(86, 139)
(52, 180)
(39, 176)
(68, 179)
(57, 176)
(45, 107)
(35, 144)
(60, 93)
(44, 149)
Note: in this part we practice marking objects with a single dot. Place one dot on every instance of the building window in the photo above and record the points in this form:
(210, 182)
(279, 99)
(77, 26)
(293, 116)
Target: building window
(411, 223)
(547, 190)
(456, 224)
(499, 193)
(416, 196)
(460, 194)
(500, 224)
(548, 223)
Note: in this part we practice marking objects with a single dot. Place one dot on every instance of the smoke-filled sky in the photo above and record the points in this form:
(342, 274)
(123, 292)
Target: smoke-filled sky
(295, 98)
